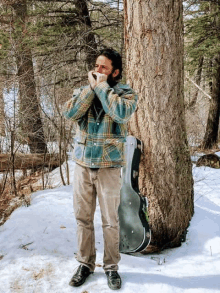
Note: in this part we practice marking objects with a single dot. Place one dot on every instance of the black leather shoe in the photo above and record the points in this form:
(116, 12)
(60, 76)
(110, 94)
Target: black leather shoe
(114, 280)
(80, 276)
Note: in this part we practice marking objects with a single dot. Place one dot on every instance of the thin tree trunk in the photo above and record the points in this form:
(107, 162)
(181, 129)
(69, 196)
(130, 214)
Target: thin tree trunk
(12, 159)
(30, 119)
(211, 134)
(60, 152)
(154, 51)
(210, 70)
(2, 112)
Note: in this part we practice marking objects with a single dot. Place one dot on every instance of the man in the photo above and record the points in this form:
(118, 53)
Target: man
(101, 109)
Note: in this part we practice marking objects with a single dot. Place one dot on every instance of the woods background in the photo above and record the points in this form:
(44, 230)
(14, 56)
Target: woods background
(46, 50)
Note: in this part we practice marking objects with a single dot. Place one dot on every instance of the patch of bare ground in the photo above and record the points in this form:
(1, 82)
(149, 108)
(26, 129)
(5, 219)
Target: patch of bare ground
(11, 200)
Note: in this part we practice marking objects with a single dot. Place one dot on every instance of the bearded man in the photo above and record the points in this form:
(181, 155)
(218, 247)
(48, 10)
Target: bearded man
(101, 110)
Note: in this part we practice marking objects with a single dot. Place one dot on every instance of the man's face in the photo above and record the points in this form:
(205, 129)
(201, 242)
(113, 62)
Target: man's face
(104, 65)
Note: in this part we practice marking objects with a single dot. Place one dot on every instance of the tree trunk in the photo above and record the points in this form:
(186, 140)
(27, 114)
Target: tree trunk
(154, 51)
(2, 112)
(211, 134)
(197, 81)
(30, 119)
(90, 45)
(210, 70)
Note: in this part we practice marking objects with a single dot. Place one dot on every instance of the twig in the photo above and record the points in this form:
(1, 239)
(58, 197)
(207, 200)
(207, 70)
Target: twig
(24, 246)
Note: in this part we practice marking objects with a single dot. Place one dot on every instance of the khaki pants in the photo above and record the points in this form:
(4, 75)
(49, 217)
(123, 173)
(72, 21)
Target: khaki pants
(104, 183)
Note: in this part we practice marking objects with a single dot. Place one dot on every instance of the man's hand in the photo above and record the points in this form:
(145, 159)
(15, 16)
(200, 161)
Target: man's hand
(95, 78)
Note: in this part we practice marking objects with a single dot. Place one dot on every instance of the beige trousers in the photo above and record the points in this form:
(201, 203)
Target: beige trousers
(105, 183)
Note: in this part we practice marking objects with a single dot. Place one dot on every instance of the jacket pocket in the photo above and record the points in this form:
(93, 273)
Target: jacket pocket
(79, 146)
(113, 149)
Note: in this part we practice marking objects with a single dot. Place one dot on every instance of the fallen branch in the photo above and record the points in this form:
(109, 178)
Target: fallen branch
(29, 161)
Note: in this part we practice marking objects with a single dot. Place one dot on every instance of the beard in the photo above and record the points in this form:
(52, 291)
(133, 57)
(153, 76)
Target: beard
(111, 80)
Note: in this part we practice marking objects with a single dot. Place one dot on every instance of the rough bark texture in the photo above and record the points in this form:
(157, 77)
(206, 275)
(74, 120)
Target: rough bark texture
(30, 119)
(197, 81)
(154, 51)
(211, 135)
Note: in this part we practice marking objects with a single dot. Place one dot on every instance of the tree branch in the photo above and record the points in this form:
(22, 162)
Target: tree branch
(207, 95)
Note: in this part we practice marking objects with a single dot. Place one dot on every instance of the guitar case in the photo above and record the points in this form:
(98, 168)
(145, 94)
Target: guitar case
(133, 217)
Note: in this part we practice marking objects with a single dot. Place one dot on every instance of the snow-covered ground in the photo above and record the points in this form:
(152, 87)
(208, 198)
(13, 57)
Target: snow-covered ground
(38, 246)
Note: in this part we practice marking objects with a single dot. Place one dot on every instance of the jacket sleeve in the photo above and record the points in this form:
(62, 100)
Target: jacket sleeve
(118, 106)
(80, 102)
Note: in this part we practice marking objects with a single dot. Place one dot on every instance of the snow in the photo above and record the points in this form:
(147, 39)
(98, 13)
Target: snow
(38, 246)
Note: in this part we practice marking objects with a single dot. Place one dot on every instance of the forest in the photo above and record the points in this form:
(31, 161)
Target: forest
(171, 57)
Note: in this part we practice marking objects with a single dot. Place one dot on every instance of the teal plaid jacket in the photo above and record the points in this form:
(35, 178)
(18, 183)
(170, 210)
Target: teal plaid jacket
(100, 136)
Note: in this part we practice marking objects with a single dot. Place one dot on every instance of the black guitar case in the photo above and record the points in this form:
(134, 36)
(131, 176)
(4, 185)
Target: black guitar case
(133, 218)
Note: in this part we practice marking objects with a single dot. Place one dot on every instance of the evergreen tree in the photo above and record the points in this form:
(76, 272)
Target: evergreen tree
(203, 43)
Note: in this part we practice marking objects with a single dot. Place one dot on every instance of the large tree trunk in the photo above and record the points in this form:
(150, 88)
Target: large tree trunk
(154, 49)
(211, 134)
(30, 119)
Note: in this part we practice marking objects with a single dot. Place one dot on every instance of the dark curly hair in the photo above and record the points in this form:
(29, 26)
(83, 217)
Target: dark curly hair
(115, 57)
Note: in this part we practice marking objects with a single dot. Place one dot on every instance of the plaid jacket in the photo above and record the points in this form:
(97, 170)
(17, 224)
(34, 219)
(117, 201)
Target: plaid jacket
(100, 137)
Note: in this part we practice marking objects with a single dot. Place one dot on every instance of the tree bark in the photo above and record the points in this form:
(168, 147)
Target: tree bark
(197, 81)
(211, 134)
(154, 56)
(90, 45)
(30, 118)
(2, 112)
